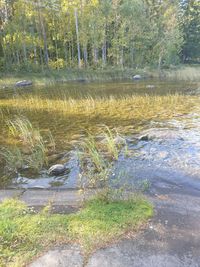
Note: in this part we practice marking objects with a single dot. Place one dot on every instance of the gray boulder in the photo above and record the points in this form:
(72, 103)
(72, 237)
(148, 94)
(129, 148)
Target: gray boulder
(137, 77)
(23, 83)
(57, 169)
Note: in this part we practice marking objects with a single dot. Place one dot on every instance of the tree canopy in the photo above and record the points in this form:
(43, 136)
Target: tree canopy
(97, 33)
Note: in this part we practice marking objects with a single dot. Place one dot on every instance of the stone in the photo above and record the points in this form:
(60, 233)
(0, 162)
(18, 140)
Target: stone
(81, 80)
(69, 256)
(144, 138)
(160, 134)
(137, 77)
(119, 140)
(38, 197)
(57, 169)
(5, 194)
(23, 83)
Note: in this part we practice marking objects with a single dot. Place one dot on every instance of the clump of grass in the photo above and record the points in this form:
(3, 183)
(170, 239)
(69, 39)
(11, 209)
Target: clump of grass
(13, 158)
(96, 157)
(24, 234)
(113, 143)
(29, 149)
(94, 170)
(91, 150)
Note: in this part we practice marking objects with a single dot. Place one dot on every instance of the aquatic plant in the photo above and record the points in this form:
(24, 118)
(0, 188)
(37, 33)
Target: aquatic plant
(96, 156)
(185, 73)
(29, 149)
(113, 143)
(134, 107)
(13, 158)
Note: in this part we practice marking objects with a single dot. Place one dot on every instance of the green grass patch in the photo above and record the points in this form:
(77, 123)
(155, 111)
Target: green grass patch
(24, 234)
(102, 221)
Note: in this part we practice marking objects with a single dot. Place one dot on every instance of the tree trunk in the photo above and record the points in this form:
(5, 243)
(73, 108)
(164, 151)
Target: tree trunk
(35, 54)
(17, 55)
(46, 55)
(104, 54)
(85, 55)
(122, 58)
(24, 52)
(77, 37)
(95, 55)
(132, 57)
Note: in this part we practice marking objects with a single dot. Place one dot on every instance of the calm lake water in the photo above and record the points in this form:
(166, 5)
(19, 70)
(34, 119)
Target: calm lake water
(71, 110)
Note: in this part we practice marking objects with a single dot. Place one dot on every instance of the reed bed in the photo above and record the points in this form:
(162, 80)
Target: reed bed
(131, 107)
(187, 73)
(29, 149)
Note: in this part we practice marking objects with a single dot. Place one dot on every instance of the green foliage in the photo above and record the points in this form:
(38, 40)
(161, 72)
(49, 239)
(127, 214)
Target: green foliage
(24, 233)
(191, 29)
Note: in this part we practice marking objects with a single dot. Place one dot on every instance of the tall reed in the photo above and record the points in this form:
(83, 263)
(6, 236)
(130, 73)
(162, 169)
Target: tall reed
(29, 149)
(96, 157)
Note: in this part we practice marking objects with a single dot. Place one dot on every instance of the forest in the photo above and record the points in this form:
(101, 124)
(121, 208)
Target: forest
(58, 34)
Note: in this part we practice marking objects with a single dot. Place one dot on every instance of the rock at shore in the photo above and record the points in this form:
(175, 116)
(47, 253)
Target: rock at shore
(57, 169)
(137, 77)
(23, 83)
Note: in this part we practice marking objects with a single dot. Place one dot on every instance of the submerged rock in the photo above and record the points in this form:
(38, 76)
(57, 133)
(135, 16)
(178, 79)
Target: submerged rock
(119, 140)
(81, 80)
(161, 134)
(57, 169)
(23, 83)
(144, 138)
(137, 77)
(150, 86)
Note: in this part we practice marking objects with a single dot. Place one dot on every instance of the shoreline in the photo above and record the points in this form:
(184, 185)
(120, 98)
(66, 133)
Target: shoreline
(51, 77)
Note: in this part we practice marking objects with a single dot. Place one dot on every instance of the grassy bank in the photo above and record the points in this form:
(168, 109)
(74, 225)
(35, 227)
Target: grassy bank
(47, 77)
(54, 76)
(25, 234)
(184, 73)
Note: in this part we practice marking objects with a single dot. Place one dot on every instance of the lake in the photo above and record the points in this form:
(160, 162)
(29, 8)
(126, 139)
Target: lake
(167, 111)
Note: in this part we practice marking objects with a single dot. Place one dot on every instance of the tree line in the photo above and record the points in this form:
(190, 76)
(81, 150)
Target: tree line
(60, 34)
